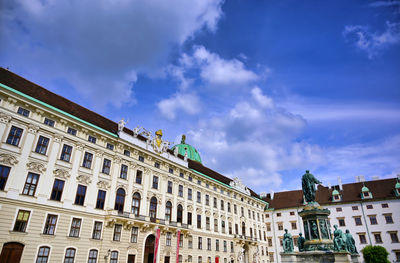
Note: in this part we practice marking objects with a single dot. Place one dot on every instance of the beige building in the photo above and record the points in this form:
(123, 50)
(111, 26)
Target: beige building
(77, 187)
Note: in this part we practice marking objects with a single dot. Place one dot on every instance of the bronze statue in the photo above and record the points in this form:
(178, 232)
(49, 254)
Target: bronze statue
(300, 242)
(308, 182)
(287, 242)
(350, 243)
(339, 240)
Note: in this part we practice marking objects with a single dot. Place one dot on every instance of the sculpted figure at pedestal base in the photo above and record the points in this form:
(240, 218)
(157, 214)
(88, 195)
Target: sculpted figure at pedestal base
(351, 244)
(339, 240)
(287, 242)
(300, 242)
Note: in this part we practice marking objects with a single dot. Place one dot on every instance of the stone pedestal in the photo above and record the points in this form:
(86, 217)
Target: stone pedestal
(319, 257)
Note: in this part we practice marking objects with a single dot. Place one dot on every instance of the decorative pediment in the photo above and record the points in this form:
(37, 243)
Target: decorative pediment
(208, 213)
(122, 186)
(61, 173)
(222, 217)
(198, 210)
(99, 153)
(117, 159)
(58, 137)
(80, 146)
(103, 184)
(9, 159)
(190, 208)
(5, 118)
(238, 185)
(36, 167)
(84, 179)
(215, 214)
(32, 128)
(158, 196)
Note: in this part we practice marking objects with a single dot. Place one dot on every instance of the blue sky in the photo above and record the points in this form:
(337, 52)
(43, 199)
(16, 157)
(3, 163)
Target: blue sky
(263, 89)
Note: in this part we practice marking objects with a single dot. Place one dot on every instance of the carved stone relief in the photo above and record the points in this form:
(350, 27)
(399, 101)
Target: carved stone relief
(61, 173)
(36, 167)
(9, 159)
(103, 184)
(84, 179)
(32, 128)
(5, 118)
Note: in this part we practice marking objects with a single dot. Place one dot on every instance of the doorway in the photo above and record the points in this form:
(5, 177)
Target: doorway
(11, 252)
(148, 256)
(166, 259)
(131, 258)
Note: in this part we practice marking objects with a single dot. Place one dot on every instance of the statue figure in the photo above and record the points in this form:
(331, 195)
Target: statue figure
(307, 233)
(183, 140)
(351, 244)
(136, 131)
(308, 182)
(300, 242)
(324, 230)
(241, 255)
(159, 145)
(287, 242)
(339, 239)
(314, 230)
(121, 124)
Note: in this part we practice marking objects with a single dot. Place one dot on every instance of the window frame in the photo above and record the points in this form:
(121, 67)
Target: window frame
(57, 191)
(50, 224)
(42, 145)
(75, 230)
(14, 136)
(30, 185)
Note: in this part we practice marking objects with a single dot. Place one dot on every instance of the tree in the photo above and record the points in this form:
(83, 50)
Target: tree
(375, 254)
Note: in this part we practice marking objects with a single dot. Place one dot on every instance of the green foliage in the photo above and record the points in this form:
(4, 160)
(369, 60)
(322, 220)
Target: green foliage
(375, 254)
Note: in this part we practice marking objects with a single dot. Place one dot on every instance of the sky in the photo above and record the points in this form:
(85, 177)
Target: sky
(264, 90)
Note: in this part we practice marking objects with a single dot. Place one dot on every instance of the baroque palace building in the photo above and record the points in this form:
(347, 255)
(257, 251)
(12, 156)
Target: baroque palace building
(78, 187)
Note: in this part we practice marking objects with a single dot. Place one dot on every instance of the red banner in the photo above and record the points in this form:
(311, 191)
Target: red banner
(156, 245)
(177, 246)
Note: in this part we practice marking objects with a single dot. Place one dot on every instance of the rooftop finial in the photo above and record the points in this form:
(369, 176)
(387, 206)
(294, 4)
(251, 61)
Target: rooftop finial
(183, 140)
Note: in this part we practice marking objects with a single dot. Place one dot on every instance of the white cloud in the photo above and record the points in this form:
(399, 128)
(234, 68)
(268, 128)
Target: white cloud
(186, 102)
(372, 42)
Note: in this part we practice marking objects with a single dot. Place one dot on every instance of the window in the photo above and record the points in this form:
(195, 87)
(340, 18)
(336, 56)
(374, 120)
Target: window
(208, 243)
(292, 213)
(181, 240)
(181, 175)
(120, 200)
(153, 208)
(23, 112)
(373, 220)
(157, 165)
(189, 218)
(48, 122)
(189, 193)
(4, 172)
(50, 225)
(235, 209)
(198, 197)
(242, 211)
(136, 204)
(92, 139)
(378, 238)
(80, 195)
(141, 158)
(75, 227)
(354, 208)
(200, 260)
(87, 160)
(168, 239)
(207, 200)
(14, 136)
(169, 187)
(270, 242)
(223, 226)
(168, 211)
(198, 221)
(278, 214)
(92, 256)
(341, 222)
(22, 221)
(110, 146)
(294, 225)
(200, 244)
(388, 218)
(207, 223)
(190, 178)
(114, 257)
(101, 198)
(31, 184)
(339, 209)
(124, 171)
(198, 182)
(394, 237)
(370, 206)
(230, 228)
(139, 177)
(117, 232)
(127, 153)
(97, 230)
(41, 146)
(171, 171)
(71, 131)
(362, 238)
(357, 221)
(222, 205)
(134, 234)
(215, 225)
(215, 202)
(155, 182)
(190, 242)
(385, 205)
(66, 153)
(268, 226)
(229, 208)
(58, 187)
(43, 255)
(225, 246)
(106, 166)
(180, 258)
(232, 249)
(280, 226)
(69, 255)
(180, 190)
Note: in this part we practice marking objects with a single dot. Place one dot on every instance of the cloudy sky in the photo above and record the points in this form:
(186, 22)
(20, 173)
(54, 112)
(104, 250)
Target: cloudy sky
(263, 89)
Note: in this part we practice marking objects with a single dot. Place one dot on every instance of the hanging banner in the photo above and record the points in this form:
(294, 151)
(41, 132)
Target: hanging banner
(177, 246)
(156, 245)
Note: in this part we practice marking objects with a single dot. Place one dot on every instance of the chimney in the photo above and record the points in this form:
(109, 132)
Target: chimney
(340, 183)
(329, 185)
(272, 195)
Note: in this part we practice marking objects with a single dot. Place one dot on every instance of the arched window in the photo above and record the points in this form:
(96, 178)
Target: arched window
(114, 257)
(168, 211)
(179, 214)
(93, 256)
(243, 229)
(136, 204)
(69, 255)
(153, 208)
(43, 255)
(120, 200)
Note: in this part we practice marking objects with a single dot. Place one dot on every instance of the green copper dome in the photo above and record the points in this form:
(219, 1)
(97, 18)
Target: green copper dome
(192, 153)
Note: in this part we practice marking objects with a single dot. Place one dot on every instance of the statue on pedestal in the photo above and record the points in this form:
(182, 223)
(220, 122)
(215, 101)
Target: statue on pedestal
(308, 182)
(300, 242)
(314, 230)
(324, 230)
(287, 242)
(339, 240)
(351, 244)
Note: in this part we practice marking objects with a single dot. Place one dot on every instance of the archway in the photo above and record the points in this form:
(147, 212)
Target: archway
(246, 254)
(148, 255)
(11, 252)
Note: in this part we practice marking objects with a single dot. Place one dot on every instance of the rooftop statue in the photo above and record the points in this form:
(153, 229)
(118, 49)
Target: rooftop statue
(287, 242)
(308, 182)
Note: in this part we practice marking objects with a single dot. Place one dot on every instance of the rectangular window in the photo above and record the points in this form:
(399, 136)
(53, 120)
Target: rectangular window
(139, 177)
(169, 187)
(373, 220)
(127, 153)
(198, 197)
(87, 160)
(31, 184)
(22, 221)
(50, 225)
(168, 239)
(354, 208)
(75, 227)
(66, 153)
(14, 136)
(189, 193)
(280, 226)
(270, 242)
(394, 237)
(23, 112)
(180, 191)
(370, 206)
(92, 139)
(97, 230)
(198, 221)
(362, 238)
(339, 209)
(294, 225)
(207, 200)
(198, 182)
(222, 206)
(181, 241)
(225, 246)
(42, 144)
(189, 218)
(57, 191)
(4, 172)
(385, 205)
(157, 165)
(378, 238)
(279, 214)
(71, 131)
(80, 195)
(388, 218)
(190, 178)
(124, 171)
(207, 223)
(106, 166)
(341, 222)
(208, 243)
(215, 202)
(181, 175)
(216, 244)
(141, 158)
(357, 221)
(48, 122)
(117, 232)
(101, 199)
(171, 171)
(229, 209)
(215, 225)
(235, 209)
(134, 234)
(268, 226)
(110, 146)
(230, 228)
(200, 243)
(155, 182)
(190, 242)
